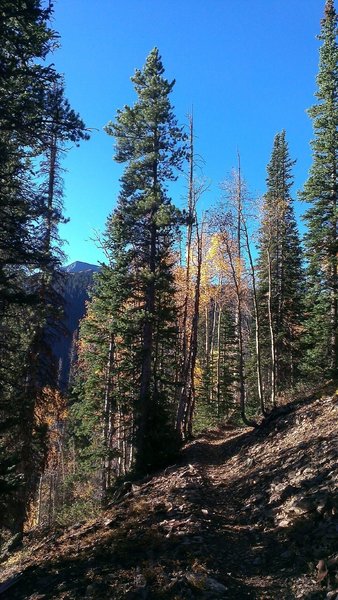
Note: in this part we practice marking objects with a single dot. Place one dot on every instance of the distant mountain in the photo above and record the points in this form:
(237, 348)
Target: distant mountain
(77, 281)
(78, 266)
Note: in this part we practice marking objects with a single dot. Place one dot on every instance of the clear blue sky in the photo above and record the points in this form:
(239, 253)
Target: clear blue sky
(248, 67)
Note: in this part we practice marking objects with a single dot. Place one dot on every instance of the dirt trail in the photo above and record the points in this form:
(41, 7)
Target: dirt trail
(246, 514)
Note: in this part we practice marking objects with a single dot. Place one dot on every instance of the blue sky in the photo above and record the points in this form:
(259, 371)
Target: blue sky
(248, 67)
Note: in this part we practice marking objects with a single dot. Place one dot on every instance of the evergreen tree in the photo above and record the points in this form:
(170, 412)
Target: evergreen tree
(280, 274)
(134, 294)
(29, 215)
(149, 140)
(218, 381)
(60, 126)
(321, 218)
(26, 40)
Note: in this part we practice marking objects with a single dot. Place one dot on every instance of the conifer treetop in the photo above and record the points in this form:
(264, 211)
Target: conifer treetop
(329, 8)
(147, 132)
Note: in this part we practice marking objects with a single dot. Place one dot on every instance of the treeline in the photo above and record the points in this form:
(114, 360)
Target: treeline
(194, 319)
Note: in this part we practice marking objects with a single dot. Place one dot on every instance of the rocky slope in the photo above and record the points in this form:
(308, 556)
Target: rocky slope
(245, 514)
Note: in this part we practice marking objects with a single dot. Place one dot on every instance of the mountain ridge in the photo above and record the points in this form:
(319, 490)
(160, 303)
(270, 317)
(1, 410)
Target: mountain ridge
(78, 266)
(76, 282)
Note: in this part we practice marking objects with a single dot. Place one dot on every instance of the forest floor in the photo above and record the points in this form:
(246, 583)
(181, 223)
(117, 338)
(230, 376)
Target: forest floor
(244, 514)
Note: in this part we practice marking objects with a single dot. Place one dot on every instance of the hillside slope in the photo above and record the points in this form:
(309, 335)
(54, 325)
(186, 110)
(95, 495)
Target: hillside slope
(245, 514)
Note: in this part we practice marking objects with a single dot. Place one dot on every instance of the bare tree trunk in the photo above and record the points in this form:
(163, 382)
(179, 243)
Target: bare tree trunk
(186, 408)
(212, 348)
(218, 370)
(239, 295)
(272, 333)
(125, 450)
(107, 416)
(39, 507)
(239, 319)
(120, 462)
(257, 319)
(207, 336)
(191, 210)
(50, 499)
(186, 376)
(236, 271)
(131, 446)
(61, 466)
(194, 333)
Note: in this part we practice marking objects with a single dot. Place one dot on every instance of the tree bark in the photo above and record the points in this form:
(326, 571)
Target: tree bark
(272, 333)
(257, 320)
(107, 422)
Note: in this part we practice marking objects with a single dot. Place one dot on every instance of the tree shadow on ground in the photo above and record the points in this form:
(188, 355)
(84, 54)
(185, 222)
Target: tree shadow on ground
(74, 576)
(225, 531)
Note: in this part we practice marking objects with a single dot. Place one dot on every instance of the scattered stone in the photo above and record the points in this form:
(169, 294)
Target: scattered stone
(333, 595)
(322, 570)
(92, 590)
(215, 586)
(208, 515)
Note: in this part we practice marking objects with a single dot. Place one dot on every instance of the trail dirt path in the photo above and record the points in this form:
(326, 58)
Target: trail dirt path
(245, 514)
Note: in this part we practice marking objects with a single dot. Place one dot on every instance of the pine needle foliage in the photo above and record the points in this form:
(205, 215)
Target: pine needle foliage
(281, 283)
(134, 297)
(321, 191)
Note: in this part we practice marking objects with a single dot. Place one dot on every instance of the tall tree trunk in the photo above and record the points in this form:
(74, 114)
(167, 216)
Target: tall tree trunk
(107, 422)
(240, 342)
(218, 367)
(257, 319)
(272, 333)
(239, 295)
(189, 230)
(194, 334)
(212, 347)
(334, 292)
(39, 506)
(187, 393)
(146, 400)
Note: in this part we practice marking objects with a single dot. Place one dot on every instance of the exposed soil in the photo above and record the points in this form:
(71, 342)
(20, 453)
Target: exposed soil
(245, 514)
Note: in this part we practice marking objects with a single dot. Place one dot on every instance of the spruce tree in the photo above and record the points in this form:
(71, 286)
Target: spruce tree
(321, 218)
(280, 274)
(29, 215)
(135, 292)
(149, 141)
(60, 126)
(26, 40)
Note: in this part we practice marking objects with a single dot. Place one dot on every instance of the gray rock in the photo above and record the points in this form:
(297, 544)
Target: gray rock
(333, 595)
(215, 586)
(92, 590)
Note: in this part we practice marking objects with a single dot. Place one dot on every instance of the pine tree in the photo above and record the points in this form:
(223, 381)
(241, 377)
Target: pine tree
(321, 218)
(60, 126)
(136, 292)
(149, 140)
(280, 273)
(29, 217)
(26, 40)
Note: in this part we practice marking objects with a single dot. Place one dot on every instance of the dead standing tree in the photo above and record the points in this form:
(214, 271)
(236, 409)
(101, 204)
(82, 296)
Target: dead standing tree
(228, 221)
(189, 327)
